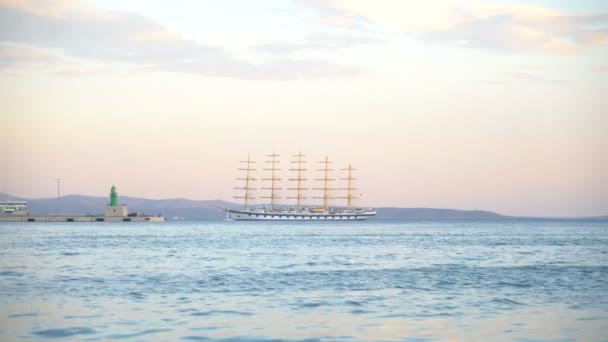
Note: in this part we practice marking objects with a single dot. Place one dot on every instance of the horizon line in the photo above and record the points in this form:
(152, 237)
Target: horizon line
(601, 216)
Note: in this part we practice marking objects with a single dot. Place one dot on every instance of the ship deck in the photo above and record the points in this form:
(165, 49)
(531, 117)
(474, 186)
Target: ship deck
(302, 215)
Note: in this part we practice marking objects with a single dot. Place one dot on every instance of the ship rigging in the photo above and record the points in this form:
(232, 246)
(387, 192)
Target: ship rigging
(300, 212)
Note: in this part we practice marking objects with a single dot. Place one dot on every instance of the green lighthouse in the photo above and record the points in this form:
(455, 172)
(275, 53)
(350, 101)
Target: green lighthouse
(115, 210)
(113, 197)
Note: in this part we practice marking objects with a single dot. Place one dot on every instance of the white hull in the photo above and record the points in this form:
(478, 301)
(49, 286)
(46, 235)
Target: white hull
(255, 215)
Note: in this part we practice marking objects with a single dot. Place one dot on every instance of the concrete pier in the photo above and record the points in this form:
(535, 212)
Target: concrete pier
(79, 218)
(114, 213)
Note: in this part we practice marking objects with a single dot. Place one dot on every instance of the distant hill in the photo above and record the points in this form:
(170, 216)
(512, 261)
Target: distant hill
(437, 214)
(178, 208)
(185, 209)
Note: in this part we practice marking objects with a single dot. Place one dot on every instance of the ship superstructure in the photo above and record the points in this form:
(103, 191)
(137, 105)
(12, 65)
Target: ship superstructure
(297, 191)
(13, 207)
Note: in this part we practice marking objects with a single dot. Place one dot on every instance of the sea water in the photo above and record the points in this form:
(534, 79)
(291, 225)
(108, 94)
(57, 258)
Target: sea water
(375, 280)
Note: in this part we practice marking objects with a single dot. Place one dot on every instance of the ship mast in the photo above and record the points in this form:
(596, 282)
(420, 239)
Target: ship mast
(273, 194)
(349, 189)
(299, 180)
(326, 181)
(247, 180)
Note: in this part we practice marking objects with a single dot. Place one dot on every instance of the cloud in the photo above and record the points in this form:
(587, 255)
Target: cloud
(318, 41)
(506, 27)
(126, 38)
(335, 15)
(83, 71)
(494, 82)
(50, 8)
(13, 54)
(526, 77)
(278, 69)
(526, 74)
(601, 68)
(533, 78)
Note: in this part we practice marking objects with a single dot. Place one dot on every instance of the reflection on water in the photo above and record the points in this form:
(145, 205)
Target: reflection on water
(342, 281)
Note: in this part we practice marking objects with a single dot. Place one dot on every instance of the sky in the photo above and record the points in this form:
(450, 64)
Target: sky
(493, 105)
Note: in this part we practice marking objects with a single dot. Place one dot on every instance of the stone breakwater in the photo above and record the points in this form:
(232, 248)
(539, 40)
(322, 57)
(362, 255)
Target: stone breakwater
(79, 218)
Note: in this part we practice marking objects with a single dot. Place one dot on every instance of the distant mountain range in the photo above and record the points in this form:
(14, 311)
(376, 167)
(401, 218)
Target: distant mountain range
(185, 209)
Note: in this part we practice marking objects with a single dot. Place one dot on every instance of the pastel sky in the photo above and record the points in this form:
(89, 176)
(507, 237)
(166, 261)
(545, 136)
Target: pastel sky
(495, 105)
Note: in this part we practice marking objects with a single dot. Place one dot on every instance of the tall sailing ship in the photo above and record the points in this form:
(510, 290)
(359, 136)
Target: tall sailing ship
(300, 212)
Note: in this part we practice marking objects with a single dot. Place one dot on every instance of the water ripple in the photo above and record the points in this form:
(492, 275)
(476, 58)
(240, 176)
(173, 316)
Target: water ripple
(65, 332)
(138, 333)
(275, 281)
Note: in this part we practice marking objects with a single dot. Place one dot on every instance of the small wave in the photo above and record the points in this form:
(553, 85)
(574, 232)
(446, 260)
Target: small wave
(137, 295)
(27, 314)
(591, 318)
(396, 315)
(11, 274)
(127, 322)
(66, 332)
(353, 303)
(82, 317)
(506, 301)
(70, 253)
(196, 338)
(221, 312)
(311, 305)
(508, 284)
(205, 328)
(140, 333)
(422, 315)
(448, 265)
(361, 311)
(245, 338)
